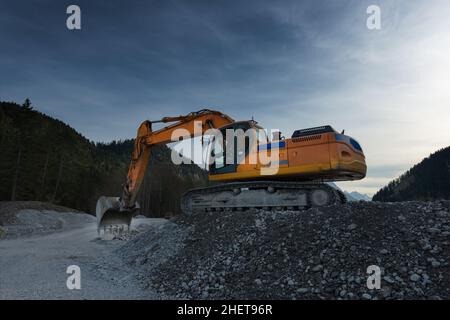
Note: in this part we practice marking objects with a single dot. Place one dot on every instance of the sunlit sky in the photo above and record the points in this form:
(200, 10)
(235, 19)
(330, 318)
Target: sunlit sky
(288, 64)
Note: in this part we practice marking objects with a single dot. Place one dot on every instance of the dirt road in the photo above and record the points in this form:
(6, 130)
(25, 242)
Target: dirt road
(35, 267)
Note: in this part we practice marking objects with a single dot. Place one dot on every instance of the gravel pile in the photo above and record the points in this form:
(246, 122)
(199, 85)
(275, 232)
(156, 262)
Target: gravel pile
(156, 247)
(29, 222)
(140, 224)
(314, 254)
(9, 209)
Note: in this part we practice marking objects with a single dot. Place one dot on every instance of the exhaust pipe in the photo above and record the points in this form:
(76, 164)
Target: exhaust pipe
(112, 220)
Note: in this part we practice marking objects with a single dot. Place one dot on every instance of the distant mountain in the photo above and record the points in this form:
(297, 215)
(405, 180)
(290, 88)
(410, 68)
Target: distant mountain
(359, 196)
(351, 196)
(44, 159)
(428, 180)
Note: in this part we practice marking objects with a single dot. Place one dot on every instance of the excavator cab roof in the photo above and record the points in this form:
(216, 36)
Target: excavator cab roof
(311, 131)
(245, 124)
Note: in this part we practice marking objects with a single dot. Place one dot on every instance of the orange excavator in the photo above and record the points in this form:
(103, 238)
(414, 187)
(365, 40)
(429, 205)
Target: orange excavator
(279, 174)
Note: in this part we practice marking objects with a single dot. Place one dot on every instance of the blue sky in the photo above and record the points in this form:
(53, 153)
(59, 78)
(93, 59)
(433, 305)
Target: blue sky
(289, 64)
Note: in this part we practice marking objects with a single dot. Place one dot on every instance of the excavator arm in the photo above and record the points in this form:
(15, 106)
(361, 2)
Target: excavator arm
(114, 214)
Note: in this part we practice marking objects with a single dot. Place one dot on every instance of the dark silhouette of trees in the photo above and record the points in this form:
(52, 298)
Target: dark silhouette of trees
(16, 175)
(43, 158)
(428, 180)
(27, 105)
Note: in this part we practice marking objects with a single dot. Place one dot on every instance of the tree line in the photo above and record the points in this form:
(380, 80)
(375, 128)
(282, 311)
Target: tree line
(427, 180)
(44, 159)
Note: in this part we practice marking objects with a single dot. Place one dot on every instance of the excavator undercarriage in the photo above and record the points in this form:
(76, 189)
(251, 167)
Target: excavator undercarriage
(266, 195)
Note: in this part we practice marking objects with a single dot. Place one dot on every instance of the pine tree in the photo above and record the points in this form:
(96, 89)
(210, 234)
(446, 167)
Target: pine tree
(27, 105)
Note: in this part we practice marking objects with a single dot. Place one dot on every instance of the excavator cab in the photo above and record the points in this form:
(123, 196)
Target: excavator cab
(225, 155)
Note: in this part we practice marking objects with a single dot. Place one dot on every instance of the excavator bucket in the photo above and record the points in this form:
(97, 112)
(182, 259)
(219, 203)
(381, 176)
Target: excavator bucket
(111, 221)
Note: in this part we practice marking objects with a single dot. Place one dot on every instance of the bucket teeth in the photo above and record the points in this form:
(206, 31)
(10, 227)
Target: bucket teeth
(112, 220)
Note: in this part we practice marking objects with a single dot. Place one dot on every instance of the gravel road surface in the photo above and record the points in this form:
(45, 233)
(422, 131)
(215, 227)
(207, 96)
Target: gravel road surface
(34, 266)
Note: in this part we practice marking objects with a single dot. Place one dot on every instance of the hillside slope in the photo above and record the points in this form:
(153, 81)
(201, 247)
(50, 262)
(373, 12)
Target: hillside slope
(428, 180)
(44, 159)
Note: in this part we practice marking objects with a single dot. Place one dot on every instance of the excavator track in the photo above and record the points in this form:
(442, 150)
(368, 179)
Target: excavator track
(267, 195)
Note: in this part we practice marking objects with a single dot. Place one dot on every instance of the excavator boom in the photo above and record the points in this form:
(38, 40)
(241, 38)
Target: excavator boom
(114, 214)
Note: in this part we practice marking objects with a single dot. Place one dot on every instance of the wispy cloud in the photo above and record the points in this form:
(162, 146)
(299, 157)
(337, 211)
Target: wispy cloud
(290, 64)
